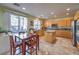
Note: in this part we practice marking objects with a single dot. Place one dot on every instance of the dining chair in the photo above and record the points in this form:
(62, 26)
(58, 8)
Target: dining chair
(32, 43)
(14, 44)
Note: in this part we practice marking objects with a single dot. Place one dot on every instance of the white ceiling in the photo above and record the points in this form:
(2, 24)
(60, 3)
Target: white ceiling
(44, 9)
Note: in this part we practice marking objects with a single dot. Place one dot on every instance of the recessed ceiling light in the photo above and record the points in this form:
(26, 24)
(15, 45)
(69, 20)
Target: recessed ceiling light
(68, 9)
(24, 8)
(67, 13)
(52, 13)
(42, 15)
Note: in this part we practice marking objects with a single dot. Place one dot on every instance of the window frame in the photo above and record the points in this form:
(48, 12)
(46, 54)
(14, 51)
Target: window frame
(37, 26)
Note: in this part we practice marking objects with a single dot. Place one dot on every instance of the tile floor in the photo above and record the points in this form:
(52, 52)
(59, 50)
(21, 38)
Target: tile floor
(62, 47)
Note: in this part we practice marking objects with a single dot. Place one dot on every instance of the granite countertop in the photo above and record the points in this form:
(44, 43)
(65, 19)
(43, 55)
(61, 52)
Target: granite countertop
(64, 28)
(50, 30)
(54, 29)
(61, 28)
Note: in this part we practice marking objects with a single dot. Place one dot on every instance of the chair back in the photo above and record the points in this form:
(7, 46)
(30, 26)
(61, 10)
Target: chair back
(12, 41)
(32, 41)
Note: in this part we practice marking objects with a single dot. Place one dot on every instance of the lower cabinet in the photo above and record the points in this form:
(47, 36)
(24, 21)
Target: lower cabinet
(64, 33)
(50, 37)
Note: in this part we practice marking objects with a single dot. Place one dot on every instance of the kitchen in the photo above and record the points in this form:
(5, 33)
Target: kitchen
(57, 32)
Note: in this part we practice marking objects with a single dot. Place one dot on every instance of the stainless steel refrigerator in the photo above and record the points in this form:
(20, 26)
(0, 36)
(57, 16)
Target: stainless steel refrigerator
(75, 32)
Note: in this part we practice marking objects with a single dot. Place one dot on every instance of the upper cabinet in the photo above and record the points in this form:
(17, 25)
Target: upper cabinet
(48, 23)
(62, 23)
(66, 22)
(69, 21)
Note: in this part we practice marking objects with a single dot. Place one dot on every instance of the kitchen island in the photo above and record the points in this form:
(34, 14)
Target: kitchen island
(50, 36)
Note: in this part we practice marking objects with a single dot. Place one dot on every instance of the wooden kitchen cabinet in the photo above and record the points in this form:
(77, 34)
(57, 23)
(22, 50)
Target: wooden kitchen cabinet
(48, 23)
(68, 22)
(69, 34)
(62, 23)
(64, 33)
(65, 22)
(50, 36)
(60, 33)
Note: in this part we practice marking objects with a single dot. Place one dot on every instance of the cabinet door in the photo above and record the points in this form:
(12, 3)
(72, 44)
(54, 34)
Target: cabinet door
(62, 23)
(68, 23)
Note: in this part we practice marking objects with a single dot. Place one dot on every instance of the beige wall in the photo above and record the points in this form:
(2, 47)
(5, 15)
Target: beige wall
(4, 44)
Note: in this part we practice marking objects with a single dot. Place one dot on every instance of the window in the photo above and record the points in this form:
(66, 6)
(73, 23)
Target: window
(23, 23)
(37, 24)
(14, 23)
(18, 24)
